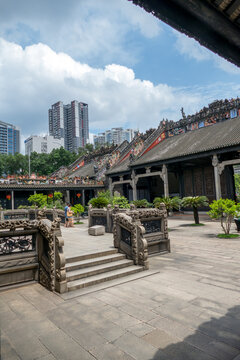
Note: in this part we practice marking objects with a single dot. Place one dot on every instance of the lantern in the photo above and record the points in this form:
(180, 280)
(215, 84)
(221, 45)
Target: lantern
(50, 195)
(8, 197)
(79, 195)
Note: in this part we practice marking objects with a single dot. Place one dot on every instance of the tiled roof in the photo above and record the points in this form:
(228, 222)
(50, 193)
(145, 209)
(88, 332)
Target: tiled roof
(217, 136)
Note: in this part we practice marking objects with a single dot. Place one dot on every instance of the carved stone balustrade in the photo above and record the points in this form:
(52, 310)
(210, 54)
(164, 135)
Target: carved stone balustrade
(137, 225)
(128, 236)
(32, 250)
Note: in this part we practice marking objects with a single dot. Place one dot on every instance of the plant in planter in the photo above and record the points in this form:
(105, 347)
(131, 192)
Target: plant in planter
(170, 203)
(99, 202)
(225, 210)
(121, 201)
(141, 203)
(195, 202)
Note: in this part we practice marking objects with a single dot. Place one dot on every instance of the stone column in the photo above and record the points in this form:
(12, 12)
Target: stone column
(83, 197)
(67, 196)
(164, 177)
(12, 199)
(134, 185)
(110, 186)
(215, 164)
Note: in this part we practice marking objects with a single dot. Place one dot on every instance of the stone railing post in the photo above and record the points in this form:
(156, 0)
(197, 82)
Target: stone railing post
(60, 269)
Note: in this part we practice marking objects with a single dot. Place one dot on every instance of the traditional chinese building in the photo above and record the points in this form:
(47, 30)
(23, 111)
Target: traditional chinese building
(194, 156)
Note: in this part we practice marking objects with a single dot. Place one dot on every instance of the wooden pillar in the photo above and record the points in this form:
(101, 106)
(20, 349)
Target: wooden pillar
(12, 199)
(215, 164)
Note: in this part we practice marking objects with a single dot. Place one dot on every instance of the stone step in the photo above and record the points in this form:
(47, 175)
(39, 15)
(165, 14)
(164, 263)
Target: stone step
(106, 284)
(97, 279)
(94, 261)
(91, 255)
(98, 269)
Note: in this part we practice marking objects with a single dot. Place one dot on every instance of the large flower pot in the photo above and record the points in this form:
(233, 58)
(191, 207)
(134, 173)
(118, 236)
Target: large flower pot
(237, 222)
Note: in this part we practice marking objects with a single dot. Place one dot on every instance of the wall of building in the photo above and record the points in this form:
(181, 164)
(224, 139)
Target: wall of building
(42, 144)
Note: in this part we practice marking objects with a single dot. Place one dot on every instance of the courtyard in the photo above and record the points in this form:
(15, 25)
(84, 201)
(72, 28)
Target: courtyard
(187, 306)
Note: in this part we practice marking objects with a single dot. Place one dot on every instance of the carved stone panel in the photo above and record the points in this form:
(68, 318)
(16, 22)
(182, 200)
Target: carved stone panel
(152, 226)
(99, 220)
(17, 244)
(126, 236)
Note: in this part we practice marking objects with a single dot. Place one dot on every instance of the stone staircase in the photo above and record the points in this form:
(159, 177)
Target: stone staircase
(95, 268)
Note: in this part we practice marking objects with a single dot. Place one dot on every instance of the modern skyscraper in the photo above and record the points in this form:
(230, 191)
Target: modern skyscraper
(114, 136)
(69, 122)
(9, 138)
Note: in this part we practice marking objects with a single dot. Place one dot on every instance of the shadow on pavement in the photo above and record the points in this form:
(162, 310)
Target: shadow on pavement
(217, 339)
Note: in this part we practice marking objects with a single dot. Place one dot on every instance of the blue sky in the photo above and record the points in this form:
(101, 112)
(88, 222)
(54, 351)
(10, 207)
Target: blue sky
(130, 68)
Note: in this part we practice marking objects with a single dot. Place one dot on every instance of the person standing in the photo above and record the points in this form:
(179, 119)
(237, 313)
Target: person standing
(70, 217)
(66, 209)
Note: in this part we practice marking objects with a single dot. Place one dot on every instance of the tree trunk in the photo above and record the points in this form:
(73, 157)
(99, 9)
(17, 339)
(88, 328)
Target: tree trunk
(195, 214)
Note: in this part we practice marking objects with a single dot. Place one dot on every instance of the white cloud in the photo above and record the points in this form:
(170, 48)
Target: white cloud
(193, 50)
(88, 30)
(33, 78)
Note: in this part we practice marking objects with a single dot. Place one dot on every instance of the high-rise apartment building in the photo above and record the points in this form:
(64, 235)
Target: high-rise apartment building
(9, 138)
(69, 122)
(42, 144)
(114, 136)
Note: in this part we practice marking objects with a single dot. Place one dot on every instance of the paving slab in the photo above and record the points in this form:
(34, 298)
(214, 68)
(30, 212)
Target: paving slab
(187, 308)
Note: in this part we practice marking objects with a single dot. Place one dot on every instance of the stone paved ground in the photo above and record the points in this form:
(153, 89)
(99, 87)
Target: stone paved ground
(189, 310)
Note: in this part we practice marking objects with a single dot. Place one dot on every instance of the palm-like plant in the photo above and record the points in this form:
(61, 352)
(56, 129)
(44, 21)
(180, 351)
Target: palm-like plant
(195, 202)
(170, 203)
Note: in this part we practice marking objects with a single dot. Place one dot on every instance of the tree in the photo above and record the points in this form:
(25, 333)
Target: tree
(89, 147)
(170, 203)
(195, 202)
(225, 210)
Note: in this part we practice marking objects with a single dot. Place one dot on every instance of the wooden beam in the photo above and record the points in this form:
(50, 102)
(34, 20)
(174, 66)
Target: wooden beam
(234, 10)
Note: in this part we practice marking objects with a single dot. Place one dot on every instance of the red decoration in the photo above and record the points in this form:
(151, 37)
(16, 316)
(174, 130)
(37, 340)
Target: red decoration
(79, 195)
(8, 197)
(50, 195)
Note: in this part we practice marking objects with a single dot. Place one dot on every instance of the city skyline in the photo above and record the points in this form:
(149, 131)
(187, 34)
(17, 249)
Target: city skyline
(132, 69)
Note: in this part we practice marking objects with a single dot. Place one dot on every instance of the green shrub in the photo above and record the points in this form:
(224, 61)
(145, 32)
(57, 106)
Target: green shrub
(121, 201)
(225, 210)
(106, 194)
(38, 199)
(141, 203)
(99, 202)
(78, 209)
(59, 204)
